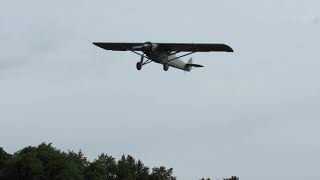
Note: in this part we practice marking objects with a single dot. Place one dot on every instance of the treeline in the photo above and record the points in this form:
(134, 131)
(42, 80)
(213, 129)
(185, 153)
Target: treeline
(45, 162)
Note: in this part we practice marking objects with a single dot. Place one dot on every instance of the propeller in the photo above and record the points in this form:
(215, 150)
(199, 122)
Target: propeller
(147, 46)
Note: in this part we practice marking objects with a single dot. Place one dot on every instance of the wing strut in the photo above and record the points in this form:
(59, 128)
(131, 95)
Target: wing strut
(181, 56)
(139, 54)
(142, 56)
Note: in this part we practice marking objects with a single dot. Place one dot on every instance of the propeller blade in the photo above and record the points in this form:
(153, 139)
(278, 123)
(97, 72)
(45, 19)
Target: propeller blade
(137, 48)
(144, 47)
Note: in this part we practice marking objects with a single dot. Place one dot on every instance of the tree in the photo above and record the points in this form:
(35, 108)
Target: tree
(105, 167)
(44, 162)
(162, 173)
(4, 158)
(129, 168)
(96, 170)
(4, 163)
(24, 165)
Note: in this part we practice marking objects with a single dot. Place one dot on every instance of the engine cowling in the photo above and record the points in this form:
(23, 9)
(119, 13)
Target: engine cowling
(147, 47)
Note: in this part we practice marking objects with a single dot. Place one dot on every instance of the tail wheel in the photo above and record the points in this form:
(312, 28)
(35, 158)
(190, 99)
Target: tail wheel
(165, 67)
(139, 66)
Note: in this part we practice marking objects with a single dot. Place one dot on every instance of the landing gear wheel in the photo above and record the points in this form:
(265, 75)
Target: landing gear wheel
(139, 66)
(165, 67)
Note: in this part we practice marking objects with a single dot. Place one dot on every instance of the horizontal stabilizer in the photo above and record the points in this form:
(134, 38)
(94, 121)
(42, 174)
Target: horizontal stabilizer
(194, 65)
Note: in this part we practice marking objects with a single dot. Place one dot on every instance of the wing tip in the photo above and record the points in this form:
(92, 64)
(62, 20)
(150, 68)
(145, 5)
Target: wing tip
(98, 44)
(229, 49)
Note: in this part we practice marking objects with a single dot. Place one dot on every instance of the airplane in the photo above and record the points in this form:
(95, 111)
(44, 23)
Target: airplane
(165, 53)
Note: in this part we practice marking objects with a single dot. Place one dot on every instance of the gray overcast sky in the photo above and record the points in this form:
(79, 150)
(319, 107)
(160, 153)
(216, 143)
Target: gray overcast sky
(253, 113)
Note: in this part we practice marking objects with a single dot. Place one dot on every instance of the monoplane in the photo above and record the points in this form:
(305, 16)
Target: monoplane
(167, 54)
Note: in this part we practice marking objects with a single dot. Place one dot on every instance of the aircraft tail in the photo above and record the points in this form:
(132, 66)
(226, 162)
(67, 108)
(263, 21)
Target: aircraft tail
(190, 65)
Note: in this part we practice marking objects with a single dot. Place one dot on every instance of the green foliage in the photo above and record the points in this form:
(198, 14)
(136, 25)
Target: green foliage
(4, 158)
(162, 173)
(44, 162)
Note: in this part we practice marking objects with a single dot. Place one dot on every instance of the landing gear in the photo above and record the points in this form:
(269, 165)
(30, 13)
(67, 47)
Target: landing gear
(139, 66)
(165, 67)
(142, 63)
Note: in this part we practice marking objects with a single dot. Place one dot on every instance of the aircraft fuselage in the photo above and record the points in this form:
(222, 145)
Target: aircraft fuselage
(159, 55)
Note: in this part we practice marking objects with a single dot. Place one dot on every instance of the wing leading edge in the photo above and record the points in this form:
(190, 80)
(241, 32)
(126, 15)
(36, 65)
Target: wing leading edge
(117, 46)
(177, 47)
(187, 47)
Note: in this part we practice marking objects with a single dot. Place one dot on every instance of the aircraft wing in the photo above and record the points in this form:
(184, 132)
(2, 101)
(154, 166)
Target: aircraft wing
(117, 46)
(177, 47)
(187, 47)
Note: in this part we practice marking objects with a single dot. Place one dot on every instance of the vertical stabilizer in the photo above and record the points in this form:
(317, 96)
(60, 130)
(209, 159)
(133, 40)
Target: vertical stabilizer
(188, 67)
(190, 61)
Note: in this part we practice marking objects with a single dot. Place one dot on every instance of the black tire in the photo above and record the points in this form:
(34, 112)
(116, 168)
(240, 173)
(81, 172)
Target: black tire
(165, 67)
(139, 66)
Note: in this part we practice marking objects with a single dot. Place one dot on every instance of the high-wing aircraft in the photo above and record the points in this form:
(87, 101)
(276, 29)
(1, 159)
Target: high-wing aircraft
(165, 53)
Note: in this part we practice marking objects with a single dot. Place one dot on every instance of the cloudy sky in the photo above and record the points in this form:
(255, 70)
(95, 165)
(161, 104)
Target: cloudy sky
(253, 113)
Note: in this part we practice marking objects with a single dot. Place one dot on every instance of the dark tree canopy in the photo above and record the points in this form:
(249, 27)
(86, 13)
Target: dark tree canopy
(45, 162)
